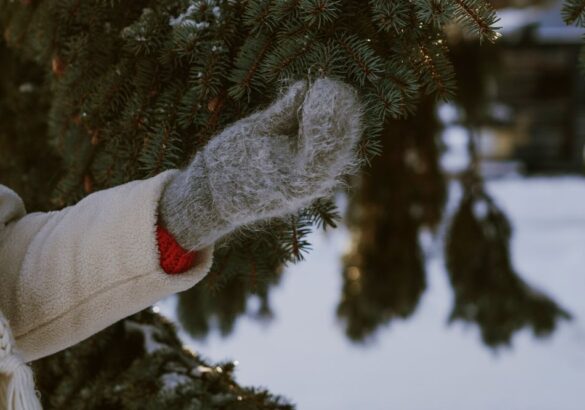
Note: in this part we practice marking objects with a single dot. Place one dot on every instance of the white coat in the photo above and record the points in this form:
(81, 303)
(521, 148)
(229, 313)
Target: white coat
(66, 275)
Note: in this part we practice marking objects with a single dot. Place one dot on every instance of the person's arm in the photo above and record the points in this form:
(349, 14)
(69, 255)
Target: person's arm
(67, 275)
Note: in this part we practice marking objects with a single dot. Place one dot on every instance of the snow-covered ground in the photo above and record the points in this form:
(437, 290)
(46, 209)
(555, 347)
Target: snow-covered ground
(423, 363)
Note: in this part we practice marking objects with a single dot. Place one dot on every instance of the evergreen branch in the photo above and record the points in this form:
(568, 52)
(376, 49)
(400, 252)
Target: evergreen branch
(478, 17)
(324, 213)
(408, 88)
(294, 241)
(371, 145)
(160, 150)
(259, 15)
(439, 69)
(320, 12)
(390, 98)
(247, 65)
(435, 12)
(296, 253)
(218, 268)
(189, 108)
(216, 110)
(186, 43)
(364, 63)
(390, 15)
(286, 9)
(286, 53)
(573, 12)
(326, 59)
(253, 273)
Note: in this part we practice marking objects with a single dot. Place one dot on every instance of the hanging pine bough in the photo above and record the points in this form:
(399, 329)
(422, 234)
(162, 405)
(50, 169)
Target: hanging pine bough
(488, 291)
(402, 192)
(225, 299)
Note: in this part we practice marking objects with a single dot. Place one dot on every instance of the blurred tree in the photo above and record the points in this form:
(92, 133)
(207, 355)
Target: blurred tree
(27, 164)
(487, 289)
(224, 300)
(403, 191)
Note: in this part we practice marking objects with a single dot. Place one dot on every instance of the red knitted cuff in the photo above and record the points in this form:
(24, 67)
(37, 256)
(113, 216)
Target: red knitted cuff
(174, 258)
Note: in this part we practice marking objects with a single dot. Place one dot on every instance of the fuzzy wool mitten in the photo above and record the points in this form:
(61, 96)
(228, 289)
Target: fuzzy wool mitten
(267, 165)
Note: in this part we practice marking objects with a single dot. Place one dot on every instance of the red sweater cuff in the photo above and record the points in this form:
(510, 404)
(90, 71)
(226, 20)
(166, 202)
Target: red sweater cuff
(174, 258)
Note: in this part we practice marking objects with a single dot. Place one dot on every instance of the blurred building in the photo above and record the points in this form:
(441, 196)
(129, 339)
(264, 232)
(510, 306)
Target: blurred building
(537, 94)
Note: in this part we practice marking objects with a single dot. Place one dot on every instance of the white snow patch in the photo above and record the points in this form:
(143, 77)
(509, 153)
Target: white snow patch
(456, 157)
(480, 209)
(181, 18)
(197, 25)
(199, 370)
(184, 19)
(448, 113)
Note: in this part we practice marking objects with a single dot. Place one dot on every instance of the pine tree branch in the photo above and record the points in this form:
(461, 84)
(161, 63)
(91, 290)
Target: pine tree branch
(573, 12)
(482, 18)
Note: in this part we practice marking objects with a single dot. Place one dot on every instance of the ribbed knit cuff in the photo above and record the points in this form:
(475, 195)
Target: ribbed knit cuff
(174, 259)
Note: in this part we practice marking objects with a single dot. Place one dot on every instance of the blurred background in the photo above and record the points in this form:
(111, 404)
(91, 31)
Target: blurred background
(455, 277)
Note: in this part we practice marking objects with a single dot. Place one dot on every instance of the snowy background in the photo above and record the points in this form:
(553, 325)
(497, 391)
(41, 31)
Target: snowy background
(423, 363)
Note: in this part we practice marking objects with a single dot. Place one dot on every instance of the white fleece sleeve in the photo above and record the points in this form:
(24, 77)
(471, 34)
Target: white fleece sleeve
(66, 275)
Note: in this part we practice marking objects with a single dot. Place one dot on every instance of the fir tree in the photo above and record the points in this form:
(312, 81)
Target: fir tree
(97, 93)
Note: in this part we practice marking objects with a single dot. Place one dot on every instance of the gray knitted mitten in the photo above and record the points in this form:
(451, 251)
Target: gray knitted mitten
(267, 165)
